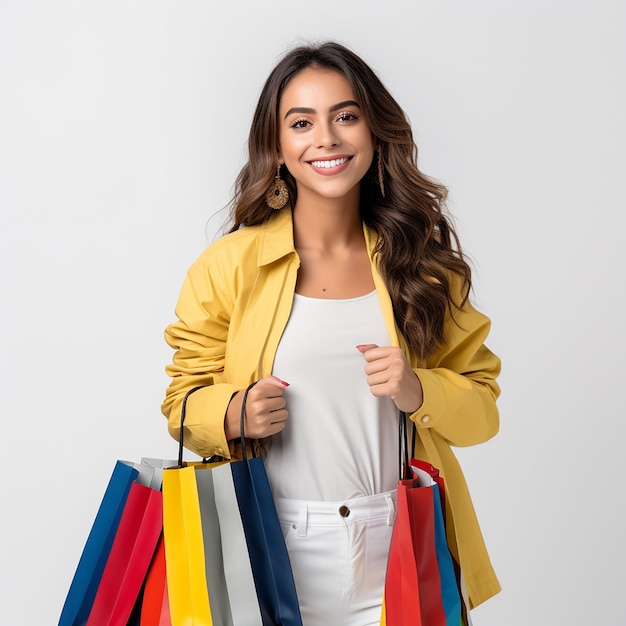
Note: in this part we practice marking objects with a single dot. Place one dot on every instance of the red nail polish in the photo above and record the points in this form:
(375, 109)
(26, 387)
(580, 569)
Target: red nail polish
(285, 383)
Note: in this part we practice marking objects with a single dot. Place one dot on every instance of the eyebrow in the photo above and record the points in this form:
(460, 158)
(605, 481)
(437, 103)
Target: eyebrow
(335, 107)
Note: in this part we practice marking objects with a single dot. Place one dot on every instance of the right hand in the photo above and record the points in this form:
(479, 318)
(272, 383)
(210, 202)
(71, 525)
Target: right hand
(266, 412)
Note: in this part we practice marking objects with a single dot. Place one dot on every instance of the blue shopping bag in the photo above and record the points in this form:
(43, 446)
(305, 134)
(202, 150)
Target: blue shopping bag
(84, 586)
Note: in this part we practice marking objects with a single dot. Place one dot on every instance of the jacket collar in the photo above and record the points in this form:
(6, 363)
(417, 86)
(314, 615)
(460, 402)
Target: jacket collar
(277, 239)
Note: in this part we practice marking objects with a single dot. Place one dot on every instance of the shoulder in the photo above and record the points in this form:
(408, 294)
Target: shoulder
(222, 271)
(233, 245)
(239, 255)
(258, 245)
(230, 254)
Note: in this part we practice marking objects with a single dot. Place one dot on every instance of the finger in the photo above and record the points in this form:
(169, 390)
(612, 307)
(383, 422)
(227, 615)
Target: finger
(269, 387)
(275, 429)
(264, 406)
(394, 366)
(364, 347)
(379, 391)
(378, 378)
(376, 365)
(273, 381)
(277, 417)
(271, 405)
(265, 424)
(376, 353)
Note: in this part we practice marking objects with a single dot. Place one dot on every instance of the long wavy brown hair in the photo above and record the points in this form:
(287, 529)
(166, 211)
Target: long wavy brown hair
(419, 254)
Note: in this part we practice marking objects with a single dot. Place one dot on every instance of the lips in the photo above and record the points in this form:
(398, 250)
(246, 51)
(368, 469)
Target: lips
(330, 163)
(330, 166)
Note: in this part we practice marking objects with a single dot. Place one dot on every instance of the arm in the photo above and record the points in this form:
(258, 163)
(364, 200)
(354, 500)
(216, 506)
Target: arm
(459, 383)
(205, 312)
(455, 393)
(199, 340)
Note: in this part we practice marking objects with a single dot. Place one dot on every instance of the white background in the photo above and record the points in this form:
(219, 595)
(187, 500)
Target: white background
(122, 127)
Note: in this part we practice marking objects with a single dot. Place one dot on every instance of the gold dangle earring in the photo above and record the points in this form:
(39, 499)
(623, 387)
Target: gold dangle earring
(381, 173)
(278, 194)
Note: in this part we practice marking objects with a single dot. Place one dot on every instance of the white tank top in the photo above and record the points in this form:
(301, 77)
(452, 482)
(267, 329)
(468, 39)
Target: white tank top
(340, 441)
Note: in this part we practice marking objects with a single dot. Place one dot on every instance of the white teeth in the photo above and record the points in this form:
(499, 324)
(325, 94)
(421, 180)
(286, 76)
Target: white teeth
(329, 164)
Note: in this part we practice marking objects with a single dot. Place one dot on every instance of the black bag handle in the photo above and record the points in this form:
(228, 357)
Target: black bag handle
(242, 421)
(403, 443)
(183, 412)
(403, 456)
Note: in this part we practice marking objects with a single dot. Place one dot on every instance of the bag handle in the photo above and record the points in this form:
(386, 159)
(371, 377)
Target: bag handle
(242, 421)
(183, 412)
(403, 445)
(403, 456)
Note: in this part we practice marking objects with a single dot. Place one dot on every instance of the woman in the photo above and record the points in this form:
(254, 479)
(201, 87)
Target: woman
(343, 291)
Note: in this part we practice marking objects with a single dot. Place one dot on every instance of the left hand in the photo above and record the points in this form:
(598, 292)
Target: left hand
(389, 374)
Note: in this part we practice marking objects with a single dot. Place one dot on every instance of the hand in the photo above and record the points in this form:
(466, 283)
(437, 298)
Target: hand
(266, 412)
(389, 374)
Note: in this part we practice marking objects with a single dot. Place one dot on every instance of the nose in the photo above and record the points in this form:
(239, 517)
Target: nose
(326, 136)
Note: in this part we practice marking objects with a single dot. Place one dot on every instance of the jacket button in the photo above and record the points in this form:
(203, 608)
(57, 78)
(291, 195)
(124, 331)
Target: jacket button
(425, 419)
(344, 511)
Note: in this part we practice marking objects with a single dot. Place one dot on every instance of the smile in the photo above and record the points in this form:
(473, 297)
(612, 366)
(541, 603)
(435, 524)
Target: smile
(328, 164)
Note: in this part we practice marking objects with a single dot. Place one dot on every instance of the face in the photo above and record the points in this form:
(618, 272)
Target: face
(324, 141)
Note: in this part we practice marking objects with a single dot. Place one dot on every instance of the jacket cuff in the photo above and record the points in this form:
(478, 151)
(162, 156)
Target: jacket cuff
(434, 405)
(204, 420)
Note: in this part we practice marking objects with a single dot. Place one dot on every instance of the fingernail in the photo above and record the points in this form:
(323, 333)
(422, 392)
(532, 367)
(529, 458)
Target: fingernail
(284, 382)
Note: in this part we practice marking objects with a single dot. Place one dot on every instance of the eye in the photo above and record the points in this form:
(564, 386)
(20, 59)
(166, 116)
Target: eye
(300, 123)
(347, 117)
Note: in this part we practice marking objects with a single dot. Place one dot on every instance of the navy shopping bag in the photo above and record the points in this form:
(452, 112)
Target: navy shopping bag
(271, 568)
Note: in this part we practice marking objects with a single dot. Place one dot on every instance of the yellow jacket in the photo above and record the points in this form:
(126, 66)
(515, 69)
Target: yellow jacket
(232, 310)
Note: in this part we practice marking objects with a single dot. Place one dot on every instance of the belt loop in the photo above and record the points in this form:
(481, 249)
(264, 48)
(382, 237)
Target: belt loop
(391, 508)
(302, 520)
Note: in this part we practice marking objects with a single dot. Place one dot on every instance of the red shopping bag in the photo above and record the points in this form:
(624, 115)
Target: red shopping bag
(413, 585)
(155, 608)
(420, 581)
(135, 541)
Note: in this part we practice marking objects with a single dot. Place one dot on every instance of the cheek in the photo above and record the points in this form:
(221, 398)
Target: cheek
(366, 143)
(292, 149)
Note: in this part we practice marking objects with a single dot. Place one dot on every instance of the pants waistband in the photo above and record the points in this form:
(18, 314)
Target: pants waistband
(344, 512)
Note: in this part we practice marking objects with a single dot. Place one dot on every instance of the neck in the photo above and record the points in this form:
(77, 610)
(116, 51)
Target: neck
(327, 223)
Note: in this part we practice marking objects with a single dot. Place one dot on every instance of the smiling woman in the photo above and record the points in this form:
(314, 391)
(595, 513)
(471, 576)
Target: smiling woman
(327, 146)
(342, 275)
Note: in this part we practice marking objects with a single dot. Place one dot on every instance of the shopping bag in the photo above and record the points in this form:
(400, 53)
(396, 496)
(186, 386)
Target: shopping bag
(193, 548)
(155, 609)
(428, 473)
(412, 587)
(226, 559)
(271, 567)
(88, 573)
(453, 588)
(421, 585)
(96, 552)
(453, 593)
(130, 556)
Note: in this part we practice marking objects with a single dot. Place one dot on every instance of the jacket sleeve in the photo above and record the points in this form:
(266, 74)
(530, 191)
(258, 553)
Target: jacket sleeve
(199, 340)
(459, 383)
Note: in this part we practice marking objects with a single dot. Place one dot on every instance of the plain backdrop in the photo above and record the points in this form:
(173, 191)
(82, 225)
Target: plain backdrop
(122, 127)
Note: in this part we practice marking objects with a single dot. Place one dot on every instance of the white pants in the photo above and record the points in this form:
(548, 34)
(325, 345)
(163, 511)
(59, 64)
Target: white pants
(338, 553)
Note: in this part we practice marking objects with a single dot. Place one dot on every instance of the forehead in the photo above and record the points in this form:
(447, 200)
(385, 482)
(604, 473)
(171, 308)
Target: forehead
(315, 88)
